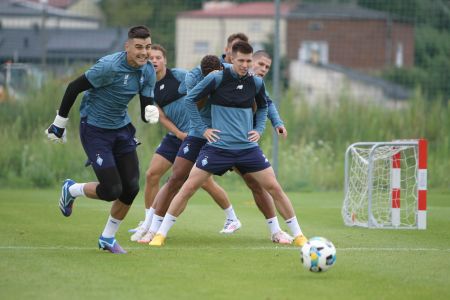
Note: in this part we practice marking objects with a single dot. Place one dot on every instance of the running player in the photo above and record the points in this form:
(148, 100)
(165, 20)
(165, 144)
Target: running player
(106, 131)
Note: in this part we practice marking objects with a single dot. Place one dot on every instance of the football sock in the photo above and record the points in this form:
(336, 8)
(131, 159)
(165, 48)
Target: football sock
(293, 226)
(77, 189)
(149, 213)
(230, 214)
(273, 224)
(166, 224)
(156, 223)
(111, 227)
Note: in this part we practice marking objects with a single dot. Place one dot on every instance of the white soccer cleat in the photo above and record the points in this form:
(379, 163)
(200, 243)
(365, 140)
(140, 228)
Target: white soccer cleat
(147, 238)
(138, 234)
(231, 226)
(133, 230)
(282, 237)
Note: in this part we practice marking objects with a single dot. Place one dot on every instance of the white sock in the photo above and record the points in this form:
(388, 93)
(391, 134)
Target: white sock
(230, 214)
(77, 189)
(293, 226)
(149, 213)
(273, 224)
(156, 223)
(166, 224)
(111, 227)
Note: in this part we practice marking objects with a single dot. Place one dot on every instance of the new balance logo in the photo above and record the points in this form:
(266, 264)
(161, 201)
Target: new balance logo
(161, 87)
(240, 87)
(125, 79)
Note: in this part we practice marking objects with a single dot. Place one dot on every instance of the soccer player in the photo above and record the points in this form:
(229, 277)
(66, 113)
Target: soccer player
(233, 38)
(232, 138)
(184, 161)
(106, 132)
(173, 117)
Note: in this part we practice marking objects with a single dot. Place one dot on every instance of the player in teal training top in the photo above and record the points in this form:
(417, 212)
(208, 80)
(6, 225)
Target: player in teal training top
(106, 132)
(233, 137)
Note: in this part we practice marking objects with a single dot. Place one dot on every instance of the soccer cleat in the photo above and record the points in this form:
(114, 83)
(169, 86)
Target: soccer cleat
(111, 245)
(147, 238)
(300, 240)
(282, 237)
(138, 234)
(133, 230)
(231, 226)
(66, 200)
(158, 240)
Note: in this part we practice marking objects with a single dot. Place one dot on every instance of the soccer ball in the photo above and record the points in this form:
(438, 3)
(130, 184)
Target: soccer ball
(318, 254)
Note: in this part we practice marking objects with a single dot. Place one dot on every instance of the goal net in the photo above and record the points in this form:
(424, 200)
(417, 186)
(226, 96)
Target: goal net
(385, 184)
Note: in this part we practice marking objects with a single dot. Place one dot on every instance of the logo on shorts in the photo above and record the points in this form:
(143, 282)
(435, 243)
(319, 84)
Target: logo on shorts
(99, 160)
(161, 87)
(125, 79)
(265, 158)
(240, 87)
(186, 149)
(205, 161)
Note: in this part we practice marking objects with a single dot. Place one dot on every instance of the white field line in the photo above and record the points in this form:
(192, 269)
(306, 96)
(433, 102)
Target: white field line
(65, 248)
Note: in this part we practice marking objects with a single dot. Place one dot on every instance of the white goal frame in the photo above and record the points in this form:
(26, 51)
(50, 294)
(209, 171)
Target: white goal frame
(393, 189)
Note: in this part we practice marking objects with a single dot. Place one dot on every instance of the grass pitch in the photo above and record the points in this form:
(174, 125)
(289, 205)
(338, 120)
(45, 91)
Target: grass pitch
(44, 255)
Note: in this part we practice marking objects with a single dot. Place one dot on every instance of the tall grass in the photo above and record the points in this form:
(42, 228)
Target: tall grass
(311, 158)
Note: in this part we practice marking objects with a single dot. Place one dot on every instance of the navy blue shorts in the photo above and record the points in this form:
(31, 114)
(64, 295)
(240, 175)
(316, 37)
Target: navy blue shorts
(169, 147)
(190, 148)
(218, 161)
(103, 146)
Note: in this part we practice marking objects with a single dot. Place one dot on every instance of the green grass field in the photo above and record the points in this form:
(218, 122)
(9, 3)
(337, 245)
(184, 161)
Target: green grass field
(46, 256)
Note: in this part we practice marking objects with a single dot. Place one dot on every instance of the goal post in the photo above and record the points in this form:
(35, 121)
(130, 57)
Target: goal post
(386, 184)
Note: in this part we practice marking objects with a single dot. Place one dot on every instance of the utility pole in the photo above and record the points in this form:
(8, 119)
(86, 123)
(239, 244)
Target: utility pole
(276, 81)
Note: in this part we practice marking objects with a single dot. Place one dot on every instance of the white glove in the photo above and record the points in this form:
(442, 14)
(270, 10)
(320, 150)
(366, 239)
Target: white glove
(56, 132)
(151, 114)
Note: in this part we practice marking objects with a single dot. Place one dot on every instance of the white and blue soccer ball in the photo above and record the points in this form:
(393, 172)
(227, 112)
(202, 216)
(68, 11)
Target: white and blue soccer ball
(318, 254)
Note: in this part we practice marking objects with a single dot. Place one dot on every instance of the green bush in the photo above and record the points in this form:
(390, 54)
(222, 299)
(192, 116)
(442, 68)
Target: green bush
(311, 158)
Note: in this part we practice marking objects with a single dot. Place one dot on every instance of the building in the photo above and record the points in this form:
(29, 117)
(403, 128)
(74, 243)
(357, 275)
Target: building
(205, 31)
(349, 36)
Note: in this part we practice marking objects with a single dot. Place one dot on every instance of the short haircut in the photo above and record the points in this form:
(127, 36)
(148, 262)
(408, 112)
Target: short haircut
(261, 53)
(210, 63)
(242, 47)
(237, 36)
(138, 32)
(158, 47)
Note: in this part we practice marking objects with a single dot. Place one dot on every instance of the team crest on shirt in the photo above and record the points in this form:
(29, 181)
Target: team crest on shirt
(205, 161)
(125, 79)
(141, 81)
(161, 87)
(186, 149)
(99, 160)
(240, 87)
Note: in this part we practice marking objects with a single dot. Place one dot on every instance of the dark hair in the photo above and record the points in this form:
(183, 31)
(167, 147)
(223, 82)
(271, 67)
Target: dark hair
(210, 63)
(262, 53)
(242, 47)
(160, 48)
(138, 32)
(237, 36)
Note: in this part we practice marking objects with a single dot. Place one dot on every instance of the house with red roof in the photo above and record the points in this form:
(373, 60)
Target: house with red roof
(205, 31)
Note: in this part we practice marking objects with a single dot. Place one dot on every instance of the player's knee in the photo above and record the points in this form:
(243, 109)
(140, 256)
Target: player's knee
(151, 176)
(175, 181)
(109, 192)
(130, 191)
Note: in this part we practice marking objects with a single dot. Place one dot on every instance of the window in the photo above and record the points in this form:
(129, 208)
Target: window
(315, 26)
(201, 47)
(399, 56)
(313, 52)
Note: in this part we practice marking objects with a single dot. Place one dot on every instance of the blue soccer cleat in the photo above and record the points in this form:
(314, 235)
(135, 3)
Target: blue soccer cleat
(66, 200)
(111, 245)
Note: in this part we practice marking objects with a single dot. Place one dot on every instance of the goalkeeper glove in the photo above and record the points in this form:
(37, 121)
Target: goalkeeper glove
(56, 132)
(151, 114)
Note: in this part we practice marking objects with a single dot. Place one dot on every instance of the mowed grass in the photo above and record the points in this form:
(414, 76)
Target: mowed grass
(44, 255)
